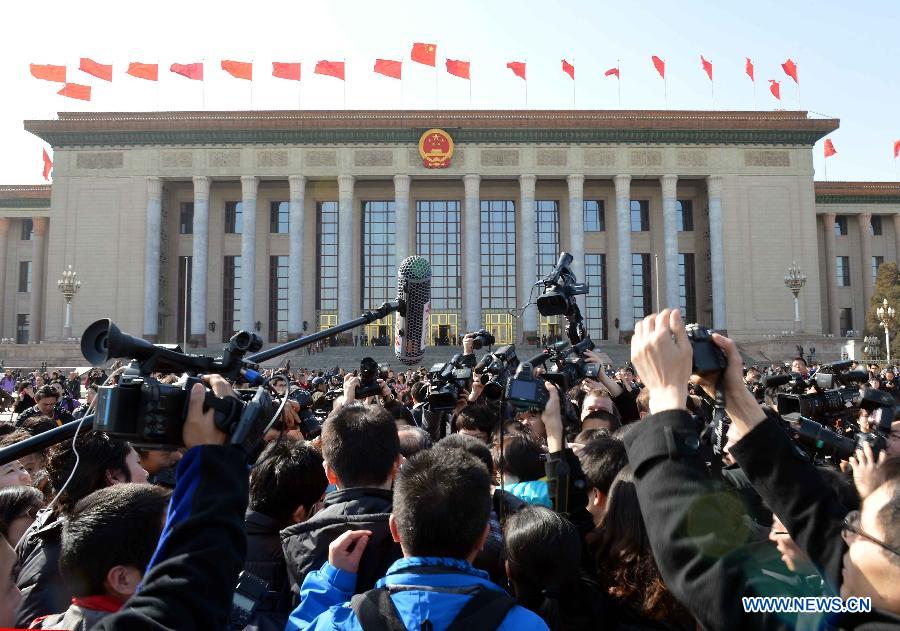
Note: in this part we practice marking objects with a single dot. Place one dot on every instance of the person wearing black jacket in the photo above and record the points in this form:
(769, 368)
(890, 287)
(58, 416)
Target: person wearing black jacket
(694, 527)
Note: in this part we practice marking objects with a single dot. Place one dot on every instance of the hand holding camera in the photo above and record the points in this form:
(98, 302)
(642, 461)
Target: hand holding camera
(199, 426)
(662, 353)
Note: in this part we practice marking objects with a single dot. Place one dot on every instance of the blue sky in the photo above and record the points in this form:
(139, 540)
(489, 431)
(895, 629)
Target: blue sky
(848, 54)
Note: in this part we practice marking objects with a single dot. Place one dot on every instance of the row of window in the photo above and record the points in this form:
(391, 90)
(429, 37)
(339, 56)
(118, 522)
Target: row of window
(842, 222)
(842, 265)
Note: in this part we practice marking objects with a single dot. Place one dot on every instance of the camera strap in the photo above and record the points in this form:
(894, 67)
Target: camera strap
(720, 422)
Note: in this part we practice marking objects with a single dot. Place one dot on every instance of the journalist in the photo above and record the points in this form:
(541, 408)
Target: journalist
(705, 561)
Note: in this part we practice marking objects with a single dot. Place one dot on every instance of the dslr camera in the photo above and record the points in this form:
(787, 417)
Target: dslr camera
(482, 338)
(370, 372)
(525, 391)
(708, 359)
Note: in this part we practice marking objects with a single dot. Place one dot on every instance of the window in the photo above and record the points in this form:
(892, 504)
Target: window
(186, 218)
(594, 216)
(498, 255)
(23, 327)
(279, 217)
(546, 229)
(684, 212)
(687, 287)
(25, 277)
(640, 285)
(231, 297)
(234, 217)
(846, 320)
(278, 298)
(327, 255)
(379, 272)
(595, 301)
(876, 263)
(640, 215)
(843, 271)
(27, 229)
(840, 225)
(437, 239)
(185, 269)
(876, 225)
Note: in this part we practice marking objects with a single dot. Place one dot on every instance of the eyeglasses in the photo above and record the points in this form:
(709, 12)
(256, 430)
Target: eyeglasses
(851, 525)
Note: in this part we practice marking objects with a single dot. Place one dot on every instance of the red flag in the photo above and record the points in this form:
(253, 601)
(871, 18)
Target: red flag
(150, 72)
(660, 66)
(518, 68)
(238, 69)
(330, 69)
(49, 73)
(76, 91)
(896, 149)
(458, 68)
(568, 68)
(101, 71)
(829, 148)
(612, 72)
(389, 68)
(749, 69)
(707, 66)
(790, 69)
(424, 53)
(286, 70)
(191, 71)
(775, 88)
(48, 164)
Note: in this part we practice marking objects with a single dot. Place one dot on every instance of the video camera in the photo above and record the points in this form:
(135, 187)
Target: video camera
(558, 297)
(482, 338)
(836, 397)
(525, 391)
(495, 370)
(370, 371)
(446, 381)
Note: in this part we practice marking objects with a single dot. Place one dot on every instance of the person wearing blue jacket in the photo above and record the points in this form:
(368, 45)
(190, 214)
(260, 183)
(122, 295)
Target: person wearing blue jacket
(440, 516)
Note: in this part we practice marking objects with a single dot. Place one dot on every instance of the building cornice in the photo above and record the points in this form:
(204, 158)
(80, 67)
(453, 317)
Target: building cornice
(405, 127)
(857, 192)
(28, 196)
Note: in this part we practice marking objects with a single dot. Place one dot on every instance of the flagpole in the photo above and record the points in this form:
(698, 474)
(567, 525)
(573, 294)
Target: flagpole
(574, 61)
(525, 81)
(666, 92)
(755, 107)
(826, 168)
(437, 99)
(619, 80)
(203, 87)
(470, 92)
(345, 82)
(251, 83)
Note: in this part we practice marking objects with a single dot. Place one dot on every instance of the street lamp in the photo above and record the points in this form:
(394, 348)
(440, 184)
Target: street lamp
(885, 314)
(68, 285)
(794, 281)
(872, 346)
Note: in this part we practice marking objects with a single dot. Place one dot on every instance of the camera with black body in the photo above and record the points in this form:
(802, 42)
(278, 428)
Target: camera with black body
(835, 399)
(708, 359)
(370, 371)
(482, 338)
(446, 381)
(496, 369)
(525, 391)
(310, 426)
(560, 288)
(569, 365)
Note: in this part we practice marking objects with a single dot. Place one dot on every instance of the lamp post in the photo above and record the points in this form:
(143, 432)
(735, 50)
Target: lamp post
(872, 346)
(885, 314)
(68, 285)
(794, 281)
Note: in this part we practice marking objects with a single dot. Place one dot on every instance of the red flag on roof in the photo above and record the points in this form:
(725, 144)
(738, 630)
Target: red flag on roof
(790, 69)
(48, 164)
(191, 71)
(897, 149)
(389, 68)
(829, 148)
(518, 68)
(76, 91)
(660, 66)
(568, 68)
(748, 68)
(707, 66)
(330, 69)
(424, 53)
(286, 70)
(458, 68)
(612, 72)
(48, 73)
(775, 88)
(150, 72)
(238, 69)
(101, 71)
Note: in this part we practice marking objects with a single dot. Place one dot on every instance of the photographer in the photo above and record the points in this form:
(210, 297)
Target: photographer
(702, 555)
(46, 399)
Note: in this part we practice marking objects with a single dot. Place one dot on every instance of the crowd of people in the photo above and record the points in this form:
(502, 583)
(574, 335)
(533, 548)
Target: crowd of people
(610, 507)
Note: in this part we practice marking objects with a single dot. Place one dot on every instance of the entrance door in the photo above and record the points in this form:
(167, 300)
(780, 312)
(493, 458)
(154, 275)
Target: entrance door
(380, 332)
(500, 325)
(443, 329)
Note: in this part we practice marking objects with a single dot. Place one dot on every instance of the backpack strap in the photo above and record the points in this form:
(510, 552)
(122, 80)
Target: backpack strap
(376, 611)
(485, 610)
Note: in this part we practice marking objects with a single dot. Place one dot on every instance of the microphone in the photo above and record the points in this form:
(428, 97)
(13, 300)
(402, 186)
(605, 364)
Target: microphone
(565, 259)
(414, 296)
(774, 381)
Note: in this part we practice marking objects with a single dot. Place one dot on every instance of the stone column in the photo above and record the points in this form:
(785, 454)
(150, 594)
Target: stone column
(670, 232)
(623, 258)
(833, 324)
(296, 222)
(4, 231)
(526, 246)
(864, 220)
(471, 259)
(249, 187)
(716, 252)
(200, 262)
(151, 260)
(401, 218)
(576, 231)
(897, 238)
(347, 259)
(38, 254)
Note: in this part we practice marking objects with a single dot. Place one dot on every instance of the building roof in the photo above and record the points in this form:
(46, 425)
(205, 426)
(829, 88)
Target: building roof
(405, 126)
(857, 192)
(29, 196)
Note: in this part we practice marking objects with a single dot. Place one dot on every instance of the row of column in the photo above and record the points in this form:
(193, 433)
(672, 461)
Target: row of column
(526, 240)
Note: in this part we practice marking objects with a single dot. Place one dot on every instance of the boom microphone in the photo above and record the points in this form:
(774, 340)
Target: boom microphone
(414, 295)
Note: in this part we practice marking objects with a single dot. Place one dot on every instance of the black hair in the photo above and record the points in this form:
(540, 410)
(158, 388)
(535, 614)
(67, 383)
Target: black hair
(476, 418)
(413, 440)
(523, 458)
(612, 421)
(442, 503)
(35, 425)
(14, 502)
(116, 525)
(601, 460)
(400, 412)
(360, 444)
(98, 453)
(470, 444)
(287, 474)
(7, 428)
(419, 391)
(46, 391)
